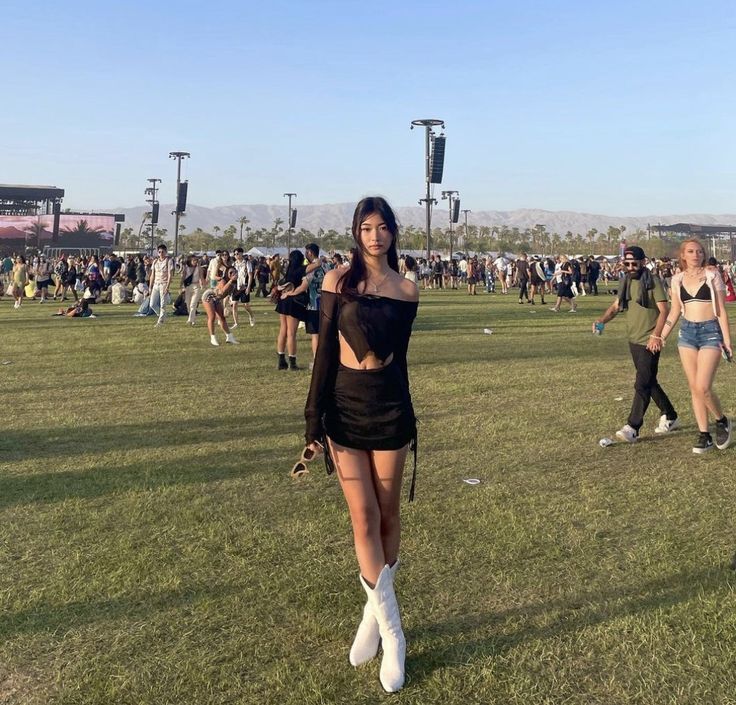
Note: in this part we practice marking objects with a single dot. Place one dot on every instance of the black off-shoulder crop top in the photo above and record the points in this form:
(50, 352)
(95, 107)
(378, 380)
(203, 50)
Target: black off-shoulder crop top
(376, 324)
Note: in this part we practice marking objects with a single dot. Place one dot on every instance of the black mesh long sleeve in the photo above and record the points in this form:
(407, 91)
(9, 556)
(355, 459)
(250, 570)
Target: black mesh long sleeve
(402, 341)
(325, 367)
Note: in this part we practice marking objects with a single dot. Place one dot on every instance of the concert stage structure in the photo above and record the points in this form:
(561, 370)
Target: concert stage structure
(703, 232)
(31, 220)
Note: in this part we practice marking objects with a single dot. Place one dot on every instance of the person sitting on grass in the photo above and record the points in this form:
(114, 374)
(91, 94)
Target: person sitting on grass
(642, 297)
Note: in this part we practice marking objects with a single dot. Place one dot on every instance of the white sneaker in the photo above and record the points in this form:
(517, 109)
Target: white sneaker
(231, 339)
(665, 425)
(213, 341)
(627, 434)
(252, 322)
(234, 325)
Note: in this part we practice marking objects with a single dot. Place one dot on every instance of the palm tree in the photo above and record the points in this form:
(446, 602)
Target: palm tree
(591, 239)
(35, 230)
(243, 222)
(83, 228)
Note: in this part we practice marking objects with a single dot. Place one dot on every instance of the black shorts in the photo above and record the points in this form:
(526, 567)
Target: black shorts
(240, 297)
(312, 322)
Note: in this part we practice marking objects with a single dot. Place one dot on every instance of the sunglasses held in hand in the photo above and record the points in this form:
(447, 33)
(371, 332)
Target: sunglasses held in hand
(300, 467)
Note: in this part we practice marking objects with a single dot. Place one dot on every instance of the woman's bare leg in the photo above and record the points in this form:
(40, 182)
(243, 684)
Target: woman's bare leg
(355, 473)
(291, 326)
(388, 469)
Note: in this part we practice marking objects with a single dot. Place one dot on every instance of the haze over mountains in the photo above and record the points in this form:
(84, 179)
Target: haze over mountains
(338, 216)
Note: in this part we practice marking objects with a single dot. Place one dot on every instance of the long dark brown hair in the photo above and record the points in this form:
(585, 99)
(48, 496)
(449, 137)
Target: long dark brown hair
(358, 273)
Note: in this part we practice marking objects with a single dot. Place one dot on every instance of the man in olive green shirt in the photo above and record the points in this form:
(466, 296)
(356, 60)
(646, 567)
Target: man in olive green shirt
(642, 297)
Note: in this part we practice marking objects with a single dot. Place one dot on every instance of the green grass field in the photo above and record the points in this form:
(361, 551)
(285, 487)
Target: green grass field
(154, 550)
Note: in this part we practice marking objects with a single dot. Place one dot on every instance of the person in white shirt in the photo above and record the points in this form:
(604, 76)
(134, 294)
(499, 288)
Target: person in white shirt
(243, 287)
(161, 271)
(500, 263)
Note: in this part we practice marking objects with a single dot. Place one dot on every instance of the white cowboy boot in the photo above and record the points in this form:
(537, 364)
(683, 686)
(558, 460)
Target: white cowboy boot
(386, 609)
(367, 638)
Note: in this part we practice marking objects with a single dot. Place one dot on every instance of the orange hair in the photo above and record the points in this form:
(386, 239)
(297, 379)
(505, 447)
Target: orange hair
(681, 253)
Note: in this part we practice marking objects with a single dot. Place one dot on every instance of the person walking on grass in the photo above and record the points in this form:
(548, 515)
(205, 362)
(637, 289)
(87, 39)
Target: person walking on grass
(212, 301)
(642, 297)
(161, 273)
(244, 267)
(522, 278)
(564, 286)
(537, 279)
(359, 410)
(698, 295)
(19, 280)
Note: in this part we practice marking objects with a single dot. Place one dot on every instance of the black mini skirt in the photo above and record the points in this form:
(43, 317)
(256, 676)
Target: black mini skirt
(370, 409)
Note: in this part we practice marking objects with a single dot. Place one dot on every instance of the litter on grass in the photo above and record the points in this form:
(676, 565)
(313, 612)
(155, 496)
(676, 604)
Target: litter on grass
(487, 331)
(7, 362)
(605, 442)
(618, 399)
(471, 481)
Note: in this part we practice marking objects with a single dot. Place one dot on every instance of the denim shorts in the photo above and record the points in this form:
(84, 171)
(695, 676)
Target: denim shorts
(700, 335)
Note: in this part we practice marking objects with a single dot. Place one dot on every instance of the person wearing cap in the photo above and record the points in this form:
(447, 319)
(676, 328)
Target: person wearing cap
(642, 297)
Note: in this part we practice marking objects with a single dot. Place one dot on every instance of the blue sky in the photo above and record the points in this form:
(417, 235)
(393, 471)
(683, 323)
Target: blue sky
(622, 108)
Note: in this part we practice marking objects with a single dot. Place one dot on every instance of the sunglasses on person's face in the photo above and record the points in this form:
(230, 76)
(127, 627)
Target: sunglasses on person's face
(300, 467)
(632, 264)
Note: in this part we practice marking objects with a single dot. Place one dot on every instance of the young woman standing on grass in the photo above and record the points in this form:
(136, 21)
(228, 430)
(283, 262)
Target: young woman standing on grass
(20, 279)
(359, 405)
(212, 301)
(564, 286)
(292, 308)
(698, 293)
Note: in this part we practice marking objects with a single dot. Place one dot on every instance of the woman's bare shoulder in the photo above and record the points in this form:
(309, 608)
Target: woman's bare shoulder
(409, 289)
(331, 280)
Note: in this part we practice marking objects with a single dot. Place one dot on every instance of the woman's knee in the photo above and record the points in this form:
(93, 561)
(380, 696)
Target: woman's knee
(366, 521)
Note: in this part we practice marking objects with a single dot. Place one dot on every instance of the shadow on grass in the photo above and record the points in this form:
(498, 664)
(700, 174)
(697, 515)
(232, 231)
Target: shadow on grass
(580, 611)
(100, 481)
(55, 618)
(102, 438)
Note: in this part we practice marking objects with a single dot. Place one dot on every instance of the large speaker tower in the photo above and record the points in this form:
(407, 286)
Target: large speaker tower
(181, 197)
(437, 160)
(456, 210)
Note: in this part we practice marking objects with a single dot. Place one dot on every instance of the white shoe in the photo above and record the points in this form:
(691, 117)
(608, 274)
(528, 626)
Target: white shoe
(368, 637)
(573, 310)
(252, 321)
(230, 339)
(386, 609)
(665, 425)
(627, 434)
(213, 341)
(555, 309)
(233, 326)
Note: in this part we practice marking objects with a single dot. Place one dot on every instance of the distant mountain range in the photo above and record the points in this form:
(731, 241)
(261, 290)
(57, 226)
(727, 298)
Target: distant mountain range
(338, 216)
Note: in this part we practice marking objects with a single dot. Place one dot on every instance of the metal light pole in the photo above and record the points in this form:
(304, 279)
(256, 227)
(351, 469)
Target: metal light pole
(176, 212)
(288, 223)
(151, 191)
(451, 197)
(428, 124)
(466, 211)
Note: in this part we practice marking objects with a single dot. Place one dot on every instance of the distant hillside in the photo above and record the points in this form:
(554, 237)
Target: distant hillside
(338, 217)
